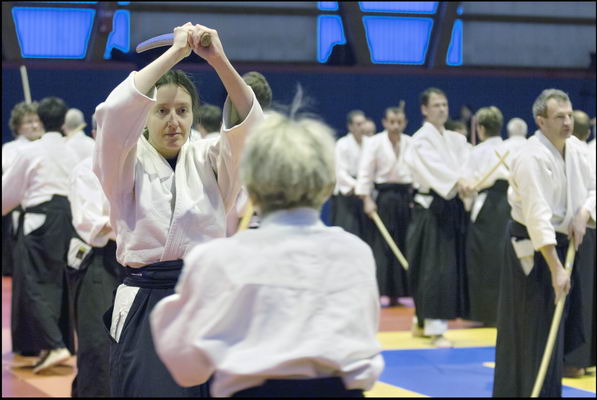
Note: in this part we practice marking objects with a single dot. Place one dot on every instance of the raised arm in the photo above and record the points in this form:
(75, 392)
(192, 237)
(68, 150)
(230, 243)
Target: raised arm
(240, 94)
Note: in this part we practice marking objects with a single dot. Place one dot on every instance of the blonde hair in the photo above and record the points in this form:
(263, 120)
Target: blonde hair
(491, 119)
(288, 162)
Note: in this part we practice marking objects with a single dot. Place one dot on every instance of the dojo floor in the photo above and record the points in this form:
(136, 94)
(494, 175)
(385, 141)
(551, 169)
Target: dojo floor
(413, 368)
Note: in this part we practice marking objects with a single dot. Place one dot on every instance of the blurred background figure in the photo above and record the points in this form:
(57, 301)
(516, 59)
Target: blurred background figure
(74, 123)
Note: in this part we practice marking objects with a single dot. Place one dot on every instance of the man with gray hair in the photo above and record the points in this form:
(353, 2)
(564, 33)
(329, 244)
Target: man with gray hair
(552, 196)
(517, 132)
(297, 283)
(76, 139)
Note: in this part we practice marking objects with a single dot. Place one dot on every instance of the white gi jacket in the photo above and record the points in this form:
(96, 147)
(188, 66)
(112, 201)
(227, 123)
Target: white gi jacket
(546, 192)
(89, 205)
(348, 156)
(82, 144)
(591, 150)
(292, 299)
(436, 162)
(40, 170)
(483, 158)
(379, 163)
(514, 144)
(10, 149)
(159, 215)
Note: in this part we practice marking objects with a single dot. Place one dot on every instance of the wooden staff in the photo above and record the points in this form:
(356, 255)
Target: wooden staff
(555, 326)
(473, 130)
(389, 240)
(504, 158)
(491, 171)
(25, 82)
(244, 222)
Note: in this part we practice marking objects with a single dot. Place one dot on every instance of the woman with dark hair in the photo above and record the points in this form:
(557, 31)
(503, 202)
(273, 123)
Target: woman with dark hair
(166, 194)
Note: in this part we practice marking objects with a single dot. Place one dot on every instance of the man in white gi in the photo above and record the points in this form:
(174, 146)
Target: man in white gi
(74, 123)
(383, 169)
(436, 236)
(26, 127)
(347, 207)
(489, 218)
(369, 128)
(552, 195)
(38, 181)
(166, 194)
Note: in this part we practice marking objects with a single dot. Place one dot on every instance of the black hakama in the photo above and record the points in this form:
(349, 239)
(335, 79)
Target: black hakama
(350, 215)
(485, 252)
(394, 208)
(8, 244)
(40, 318)
(525, 311)
(318, 387)
(435, 253)
(98, 283)
(584, 355)
(135, 368)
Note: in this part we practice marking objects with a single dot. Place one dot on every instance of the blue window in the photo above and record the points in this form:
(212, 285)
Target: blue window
(119, 38)
(53, 32)
(329, 34)
(327, 5)
(423, 7)
(397, 40)
(454, 57)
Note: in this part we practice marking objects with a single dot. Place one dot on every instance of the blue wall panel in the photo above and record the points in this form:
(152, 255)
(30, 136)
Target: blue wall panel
(53, 33)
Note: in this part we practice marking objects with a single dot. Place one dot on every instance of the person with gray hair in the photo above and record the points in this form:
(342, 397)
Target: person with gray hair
(76, 139)
(26, 127)
(261, 310)
(517, 132)
(552, 195)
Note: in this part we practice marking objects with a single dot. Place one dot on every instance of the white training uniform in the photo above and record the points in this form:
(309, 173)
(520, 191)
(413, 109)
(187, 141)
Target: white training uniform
(348, 156)
(380, 164)
(159, 215)
(10, 151)
(437, 162)
(40, 170)
(89, 206)
(591, 150)
(82, 144)
(482, 159)
(513, 144)
(546, 191)
(293, 299)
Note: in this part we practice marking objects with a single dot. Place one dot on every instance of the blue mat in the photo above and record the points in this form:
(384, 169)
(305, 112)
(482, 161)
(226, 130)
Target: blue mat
(447, 372)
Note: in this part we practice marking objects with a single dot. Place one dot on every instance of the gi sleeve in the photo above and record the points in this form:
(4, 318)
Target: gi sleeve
(531, 177)
(366, 176)
(225, 154)
(120, 122)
